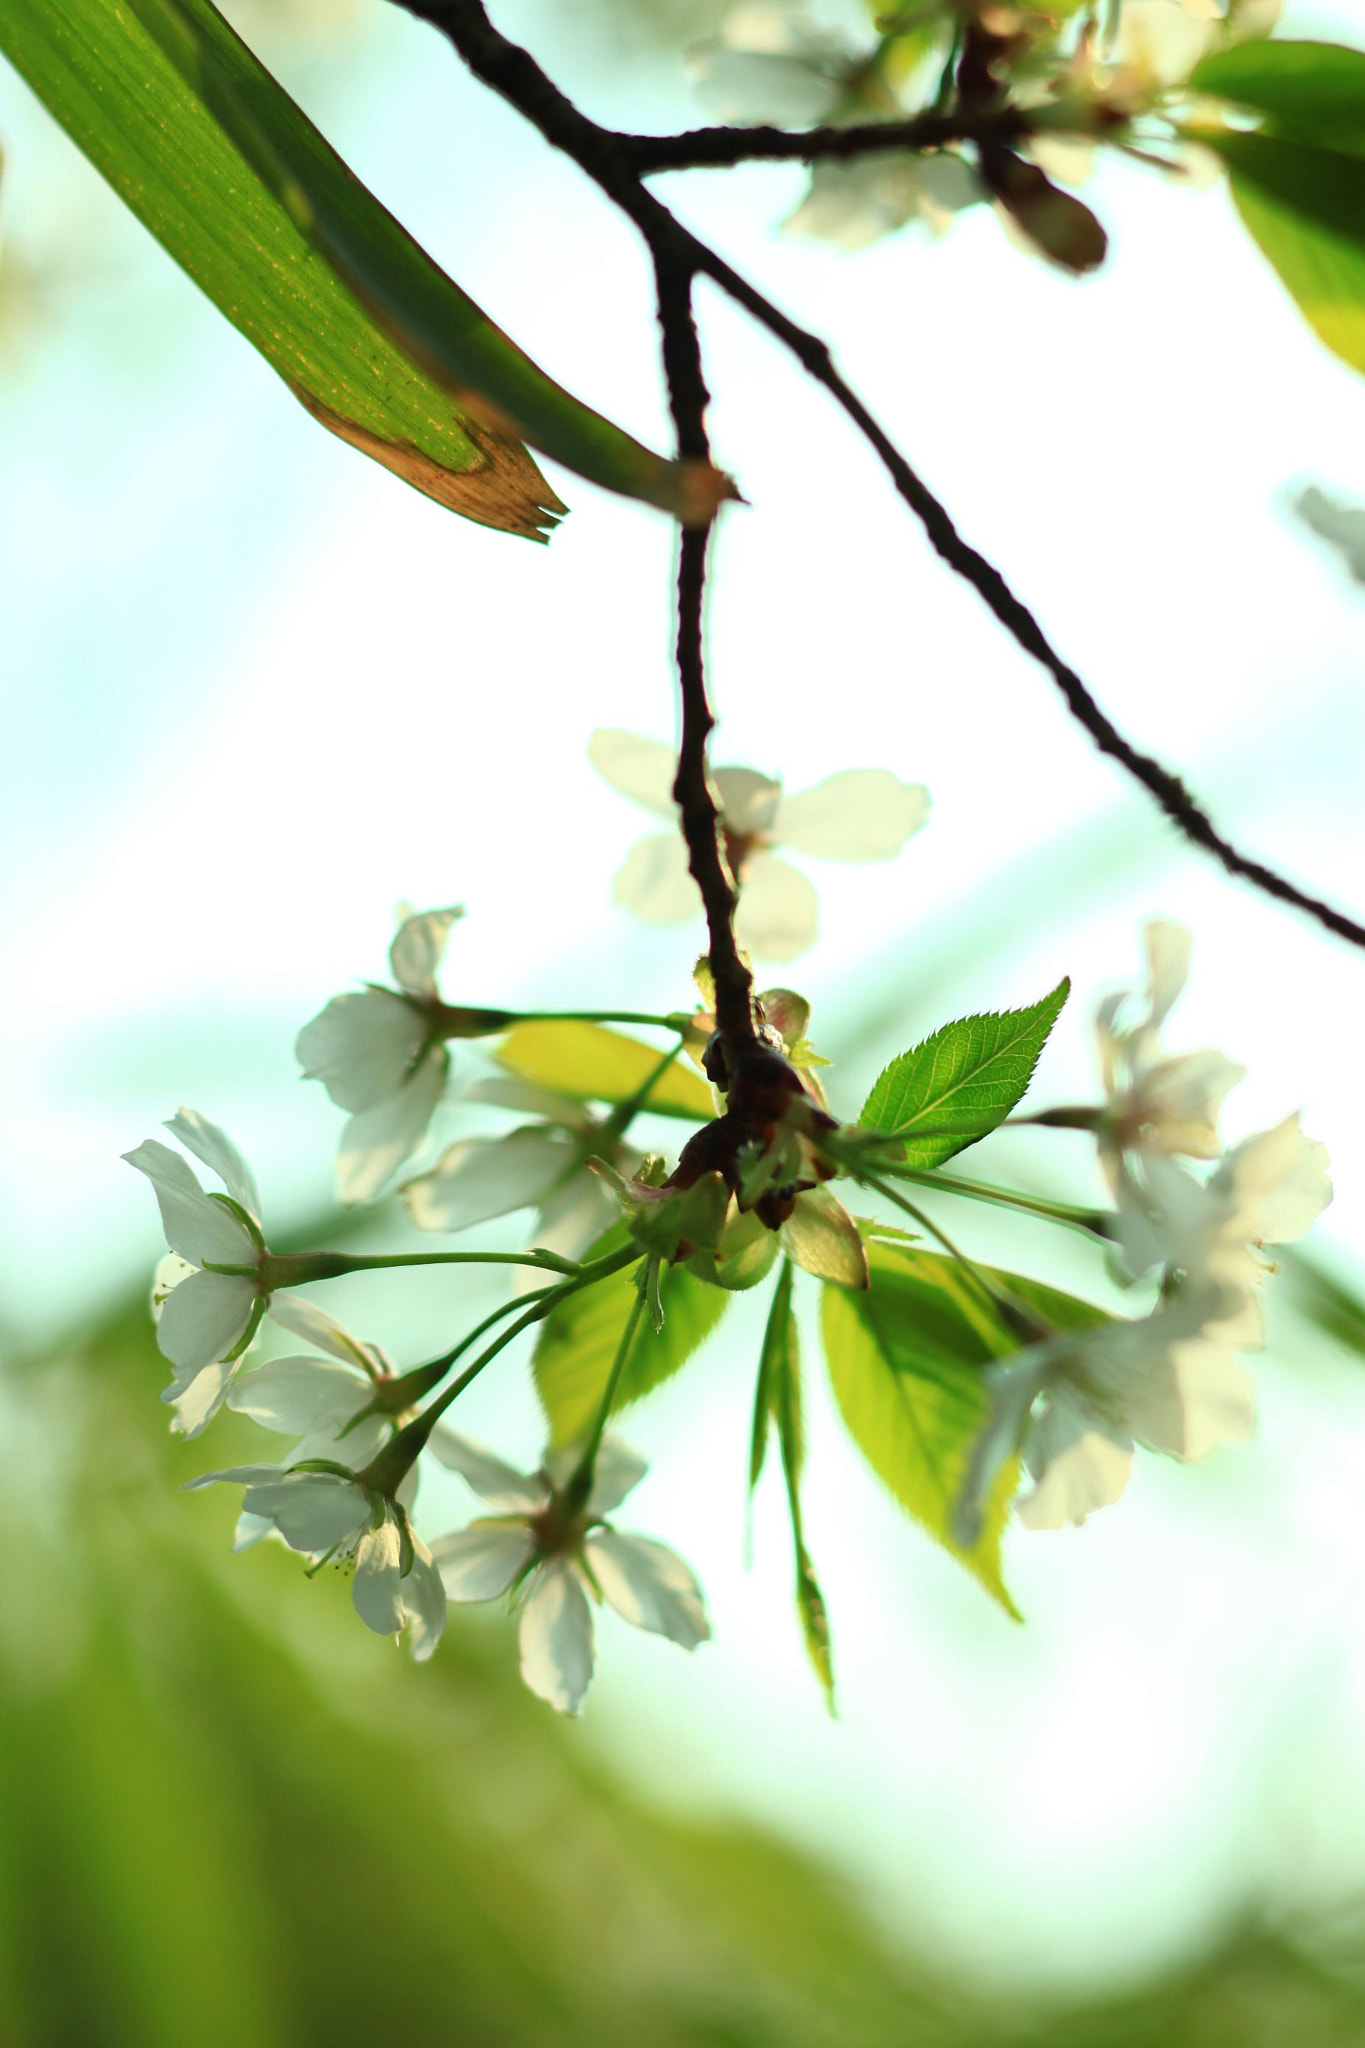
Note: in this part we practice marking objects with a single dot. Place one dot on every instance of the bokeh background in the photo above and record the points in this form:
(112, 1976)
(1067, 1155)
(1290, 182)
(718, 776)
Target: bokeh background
(254, 692)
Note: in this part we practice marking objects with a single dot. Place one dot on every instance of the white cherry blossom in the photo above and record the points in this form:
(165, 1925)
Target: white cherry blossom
(318, 1400)
(862, 814)
(555, 1561)
(205, 1316)
(381, 1054)
(331, 1515)
(540, 1166)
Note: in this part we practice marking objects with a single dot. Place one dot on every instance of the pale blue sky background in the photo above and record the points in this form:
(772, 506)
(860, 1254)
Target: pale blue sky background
(255, 691)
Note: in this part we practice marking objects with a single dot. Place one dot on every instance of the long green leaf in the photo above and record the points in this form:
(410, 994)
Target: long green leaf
(578, 1342)
(1305, 209)
(1308, 92)
(779, 1394)
(905, 1363)
(962, 1080)
(235, 182)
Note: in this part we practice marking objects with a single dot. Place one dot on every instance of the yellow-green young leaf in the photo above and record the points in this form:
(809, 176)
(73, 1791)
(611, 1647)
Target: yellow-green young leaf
(823, 1239)
(1305, 209)
(961, 1081)
(905, 1363)
(379, 345)
(578, 1342)
(591, 1064)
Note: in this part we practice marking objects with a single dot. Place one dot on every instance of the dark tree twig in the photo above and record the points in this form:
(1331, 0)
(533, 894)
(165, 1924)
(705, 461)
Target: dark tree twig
(617, 163)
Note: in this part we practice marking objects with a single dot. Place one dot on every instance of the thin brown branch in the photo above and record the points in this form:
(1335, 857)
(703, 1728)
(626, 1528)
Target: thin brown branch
(695, 798)
(607, 159)
(722, 148)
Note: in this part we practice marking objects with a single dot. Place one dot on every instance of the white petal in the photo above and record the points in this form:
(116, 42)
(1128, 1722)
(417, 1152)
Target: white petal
(481, 1562)
(1087, 1470)
(1012, 1391)
(853, 205)
(424, 1603)
(204, 1319)
(216, 1149)
(618, 1472)
(778, 915)
(1168, 965)
(251, 1529)
(501, 1485)
(1218, 1398)
(641, 769)
(362, 1046)
(747, 86)
(572, 1217)
(748, 800)
(1277, 1181)
(376, 1589)
(313, 1511)
(375, 1143)
(198, 1227)
(353, 1445)
(1180, 1100)
(556, 1639)
(196, 1407)
(418, 945)
(1342, 525)
(485, 1177)
(169, 1273)
(654, 881)
(863, 814)
(307, 1320)
(298, 1395)
(508, 1091)
(649, 1586)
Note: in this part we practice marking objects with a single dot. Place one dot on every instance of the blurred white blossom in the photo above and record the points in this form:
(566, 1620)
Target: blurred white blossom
(1157, 1105)
(863, 814)
(1341, 525)
(854, 203)
(556, 1560)
(205, 1317)
(1077, 1403)
(381, 1054)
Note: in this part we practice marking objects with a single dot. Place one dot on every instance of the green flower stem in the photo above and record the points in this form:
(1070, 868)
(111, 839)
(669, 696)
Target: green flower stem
(296, 1269)
(398, 1456)
(597, 1017)
(392, 1395)
(1095, 1222)
(1021, 1320)
(576, 1492)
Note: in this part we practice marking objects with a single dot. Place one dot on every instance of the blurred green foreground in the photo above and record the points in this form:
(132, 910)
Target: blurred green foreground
(227, 1814)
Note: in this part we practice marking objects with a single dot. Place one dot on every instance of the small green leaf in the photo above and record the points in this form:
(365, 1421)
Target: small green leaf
(1305, 210)
(905, 1363)
(823, 1239)
(962, 1081)
(777, 1400)
(743, 1258)
(591, 1064)
(579, 1339)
